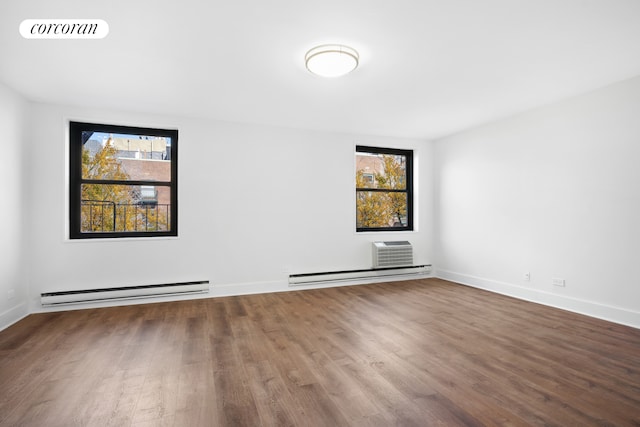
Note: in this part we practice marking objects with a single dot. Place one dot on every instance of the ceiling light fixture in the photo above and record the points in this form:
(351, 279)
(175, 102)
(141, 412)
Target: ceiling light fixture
(331, 60)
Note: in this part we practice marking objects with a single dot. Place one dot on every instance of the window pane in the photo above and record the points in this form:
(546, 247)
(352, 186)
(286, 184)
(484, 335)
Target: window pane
(381, 209)
(125, 157)
(381, 171)
(125, 208)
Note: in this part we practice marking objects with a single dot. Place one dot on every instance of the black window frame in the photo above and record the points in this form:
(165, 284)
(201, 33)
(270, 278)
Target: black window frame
(408, 154)
(76, 180)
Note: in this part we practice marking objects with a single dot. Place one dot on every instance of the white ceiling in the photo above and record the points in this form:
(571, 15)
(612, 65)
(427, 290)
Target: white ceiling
(428, 68)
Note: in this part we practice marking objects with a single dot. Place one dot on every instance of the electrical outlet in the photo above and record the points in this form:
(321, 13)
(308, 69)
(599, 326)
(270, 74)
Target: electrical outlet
(557, 282)
(527, 277)
(11, 294)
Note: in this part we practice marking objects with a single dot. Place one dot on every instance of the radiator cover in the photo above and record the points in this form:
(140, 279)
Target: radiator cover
(49, 299)
(374, 274)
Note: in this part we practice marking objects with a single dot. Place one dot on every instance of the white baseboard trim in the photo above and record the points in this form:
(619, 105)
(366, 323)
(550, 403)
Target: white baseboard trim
(248, 288)
(222, 290)
(589, 308)
(13, 315)
(215, 290)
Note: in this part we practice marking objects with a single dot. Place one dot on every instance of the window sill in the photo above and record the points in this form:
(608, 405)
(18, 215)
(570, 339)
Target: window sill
(122, 239)
(384, 232)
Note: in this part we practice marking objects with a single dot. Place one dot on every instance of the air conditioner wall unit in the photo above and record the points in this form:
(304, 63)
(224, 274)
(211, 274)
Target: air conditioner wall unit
(392, 254)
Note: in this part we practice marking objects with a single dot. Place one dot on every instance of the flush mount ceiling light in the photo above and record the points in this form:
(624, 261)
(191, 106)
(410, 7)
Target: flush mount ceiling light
(331, 60)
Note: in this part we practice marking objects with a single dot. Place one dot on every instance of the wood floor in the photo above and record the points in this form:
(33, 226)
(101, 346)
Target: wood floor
(416, 353)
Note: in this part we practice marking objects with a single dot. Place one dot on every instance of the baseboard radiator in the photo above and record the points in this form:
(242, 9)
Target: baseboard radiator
(390, 259)
(355, 275)
(49, 299)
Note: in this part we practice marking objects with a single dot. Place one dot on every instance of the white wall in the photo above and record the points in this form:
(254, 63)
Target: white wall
(554, 192)
(13, 282)
(255, 203)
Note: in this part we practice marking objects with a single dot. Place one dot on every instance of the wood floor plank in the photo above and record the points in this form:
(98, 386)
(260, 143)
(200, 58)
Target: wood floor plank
(413, 353)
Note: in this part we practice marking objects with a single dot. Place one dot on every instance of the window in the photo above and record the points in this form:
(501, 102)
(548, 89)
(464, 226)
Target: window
(367, 179)
(384, 189)
(123, 181)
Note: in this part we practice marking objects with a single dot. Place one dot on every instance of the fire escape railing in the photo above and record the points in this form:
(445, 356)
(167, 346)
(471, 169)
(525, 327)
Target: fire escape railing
(108, 216)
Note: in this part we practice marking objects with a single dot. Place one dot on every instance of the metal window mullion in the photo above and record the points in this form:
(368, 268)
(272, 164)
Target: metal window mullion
(117, 182)
(382, 190)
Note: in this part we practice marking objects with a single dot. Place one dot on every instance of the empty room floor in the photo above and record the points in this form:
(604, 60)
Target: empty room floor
(421, 352)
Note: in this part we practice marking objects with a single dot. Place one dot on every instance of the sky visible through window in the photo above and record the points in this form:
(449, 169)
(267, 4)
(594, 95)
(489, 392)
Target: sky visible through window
(100, 136)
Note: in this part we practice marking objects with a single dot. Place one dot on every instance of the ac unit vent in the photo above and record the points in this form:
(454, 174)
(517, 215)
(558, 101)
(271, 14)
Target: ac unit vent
(392, 254)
